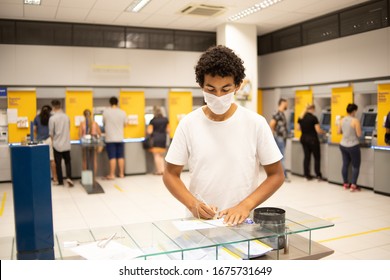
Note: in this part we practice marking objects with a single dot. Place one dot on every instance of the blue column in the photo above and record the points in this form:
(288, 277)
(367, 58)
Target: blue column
(30, 168)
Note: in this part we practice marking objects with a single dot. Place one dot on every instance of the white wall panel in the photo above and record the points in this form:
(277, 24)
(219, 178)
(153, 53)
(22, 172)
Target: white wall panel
(79, 66)
(284, 68)
(362, 56)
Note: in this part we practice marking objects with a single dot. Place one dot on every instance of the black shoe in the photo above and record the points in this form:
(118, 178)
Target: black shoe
(320, 179)
(308, 178)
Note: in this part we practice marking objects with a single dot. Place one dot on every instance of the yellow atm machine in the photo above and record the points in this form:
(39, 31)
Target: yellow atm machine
(76, 101)
(303, 97)
(179, 104)
(133, 103)
(381, 150)
(22, 109)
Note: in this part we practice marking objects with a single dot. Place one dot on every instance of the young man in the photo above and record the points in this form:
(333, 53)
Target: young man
(224, 145)
(59, 131)
(114, 120)
(278, 125)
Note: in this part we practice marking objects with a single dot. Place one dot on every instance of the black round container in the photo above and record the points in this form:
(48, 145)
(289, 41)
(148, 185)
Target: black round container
(273, 219)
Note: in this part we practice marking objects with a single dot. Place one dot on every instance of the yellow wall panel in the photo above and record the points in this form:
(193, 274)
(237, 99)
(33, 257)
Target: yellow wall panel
(179, 104)
(302, 99)
(133, 103)
(383, 110)
(341, 97)
(75, 104)
(25, 102)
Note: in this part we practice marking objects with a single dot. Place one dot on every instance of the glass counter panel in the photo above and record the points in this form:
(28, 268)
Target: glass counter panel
(121, 235)
(295, 218)
(150, 239)
(198, 239)
(6, 248)
(78, 236)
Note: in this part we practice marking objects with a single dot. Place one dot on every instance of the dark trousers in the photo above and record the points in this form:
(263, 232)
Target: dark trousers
(311, 146)
(351, 155)
(58, 156)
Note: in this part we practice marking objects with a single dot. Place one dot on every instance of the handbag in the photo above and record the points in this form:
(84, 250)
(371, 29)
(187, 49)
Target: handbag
(148, 142)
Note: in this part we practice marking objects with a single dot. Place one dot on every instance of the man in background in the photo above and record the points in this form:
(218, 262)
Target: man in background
(59, 131)
(114, 120)
(278, 125)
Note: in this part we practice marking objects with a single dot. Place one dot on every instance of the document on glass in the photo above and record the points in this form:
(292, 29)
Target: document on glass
(112, 251)
(256, 249)
(198, 224)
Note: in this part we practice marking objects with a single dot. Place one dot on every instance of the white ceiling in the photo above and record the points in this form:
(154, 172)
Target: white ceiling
(166, 13)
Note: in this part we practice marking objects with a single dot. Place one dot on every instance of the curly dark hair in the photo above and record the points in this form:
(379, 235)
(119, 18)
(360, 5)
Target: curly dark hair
(220, 61)
(351, 107)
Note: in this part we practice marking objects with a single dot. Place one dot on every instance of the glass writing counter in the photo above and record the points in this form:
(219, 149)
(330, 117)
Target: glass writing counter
(163, 239)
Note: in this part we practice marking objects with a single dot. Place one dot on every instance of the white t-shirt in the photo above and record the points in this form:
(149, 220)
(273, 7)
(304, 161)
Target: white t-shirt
(223, 157)
(114, 121)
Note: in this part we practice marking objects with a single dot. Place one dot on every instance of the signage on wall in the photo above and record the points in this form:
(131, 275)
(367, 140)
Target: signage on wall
(3, 91)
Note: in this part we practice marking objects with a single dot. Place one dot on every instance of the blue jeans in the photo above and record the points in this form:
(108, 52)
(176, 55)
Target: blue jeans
(281, 142)
(351, 155)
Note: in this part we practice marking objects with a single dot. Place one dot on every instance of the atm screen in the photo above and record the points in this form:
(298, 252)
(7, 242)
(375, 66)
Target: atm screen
(369, 119)
(325, 119)
(148, 118)
(98, 118)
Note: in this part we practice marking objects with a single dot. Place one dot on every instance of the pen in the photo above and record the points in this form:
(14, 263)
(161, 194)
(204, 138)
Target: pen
(103, 243)
(199, 197)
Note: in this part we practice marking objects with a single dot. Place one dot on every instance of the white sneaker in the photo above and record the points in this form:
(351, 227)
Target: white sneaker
(70, 182)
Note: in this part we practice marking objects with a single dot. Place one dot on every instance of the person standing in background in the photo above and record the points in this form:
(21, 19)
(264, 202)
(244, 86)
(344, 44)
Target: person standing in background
(310, 128)
(158, 128)
(41, 131)
(59, 130)
(387, 127)
(89, 127)
(350, 147)
(114, 120)
(278, 126)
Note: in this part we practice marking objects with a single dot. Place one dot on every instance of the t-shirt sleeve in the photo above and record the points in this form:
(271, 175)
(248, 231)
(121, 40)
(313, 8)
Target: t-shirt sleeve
(51, 127)
(178, 152)
(267, 150)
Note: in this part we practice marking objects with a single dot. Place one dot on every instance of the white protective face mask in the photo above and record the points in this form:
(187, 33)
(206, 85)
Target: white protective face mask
(218, 105)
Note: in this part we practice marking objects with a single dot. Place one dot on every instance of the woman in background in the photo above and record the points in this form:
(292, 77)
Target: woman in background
(41, 131)
(310, 127)
(158, 128)
(349, 146)
(91, 128)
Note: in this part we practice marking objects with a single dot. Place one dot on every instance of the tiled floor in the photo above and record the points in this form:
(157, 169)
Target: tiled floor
(362, 219)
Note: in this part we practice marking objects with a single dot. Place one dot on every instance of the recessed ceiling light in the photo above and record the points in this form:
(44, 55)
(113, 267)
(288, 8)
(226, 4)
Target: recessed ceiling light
(137, 5)
(254, 9)
(32, 2)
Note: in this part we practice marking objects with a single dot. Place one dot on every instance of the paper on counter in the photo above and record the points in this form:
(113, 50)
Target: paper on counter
(112, 251)
(257, 248)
